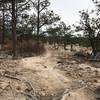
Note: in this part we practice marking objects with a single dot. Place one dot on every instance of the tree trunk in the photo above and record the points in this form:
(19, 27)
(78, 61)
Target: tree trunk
(38, 19)
(3, 25)
(64, 45)
(71, 47)
(95, 44)
(92, 42)
(98, 42)
(14, 38)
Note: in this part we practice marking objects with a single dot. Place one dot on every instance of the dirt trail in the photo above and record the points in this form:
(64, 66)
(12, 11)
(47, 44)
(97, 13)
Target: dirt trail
(53, 80)
(56, 75)
(48, 77)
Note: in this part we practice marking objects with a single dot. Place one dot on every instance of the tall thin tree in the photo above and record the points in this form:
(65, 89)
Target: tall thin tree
(14, 38)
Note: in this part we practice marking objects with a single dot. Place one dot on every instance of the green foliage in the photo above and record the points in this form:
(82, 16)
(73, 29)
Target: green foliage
(91, 28)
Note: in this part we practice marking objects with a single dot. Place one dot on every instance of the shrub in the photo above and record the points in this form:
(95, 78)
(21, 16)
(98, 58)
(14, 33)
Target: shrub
(35, 47)
(26, 47)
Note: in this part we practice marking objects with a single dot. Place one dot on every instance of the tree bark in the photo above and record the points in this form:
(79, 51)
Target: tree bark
(3, 25)
(92, 42)
(38, 19)
(14, 38)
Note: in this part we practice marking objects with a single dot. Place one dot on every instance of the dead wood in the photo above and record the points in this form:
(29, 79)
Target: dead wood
(11, 77)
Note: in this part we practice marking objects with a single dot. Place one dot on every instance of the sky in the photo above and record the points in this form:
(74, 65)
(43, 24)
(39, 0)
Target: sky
(69, 9)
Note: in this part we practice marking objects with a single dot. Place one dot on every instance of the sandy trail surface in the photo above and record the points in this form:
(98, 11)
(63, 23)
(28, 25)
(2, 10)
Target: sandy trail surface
(56, 75)
(47, 76)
